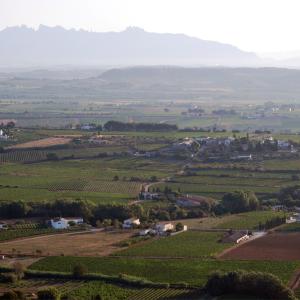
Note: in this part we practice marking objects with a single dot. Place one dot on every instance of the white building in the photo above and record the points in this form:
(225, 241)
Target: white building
(163, 227)
(64, 223)
(145, 232)
(59, 223)
(3, 225)
(129, 223)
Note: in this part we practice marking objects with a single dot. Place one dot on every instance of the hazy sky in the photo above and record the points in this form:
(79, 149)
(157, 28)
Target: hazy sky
(254, 25)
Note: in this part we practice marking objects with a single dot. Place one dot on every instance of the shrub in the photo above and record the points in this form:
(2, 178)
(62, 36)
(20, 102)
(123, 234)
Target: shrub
(262, 285)
(179, 227)
(48, 294)
(79, 270)
(19, 270)
(8, 278)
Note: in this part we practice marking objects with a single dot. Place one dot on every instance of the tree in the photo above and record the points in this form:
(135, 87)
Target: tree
(116, 178)
(79, 270)
(48, 294)
(179, 227)
(257, 284)
(239, 201)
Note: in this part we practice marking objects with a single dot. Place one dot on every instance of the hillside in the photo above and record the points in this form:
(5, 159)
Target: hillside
(160, 83)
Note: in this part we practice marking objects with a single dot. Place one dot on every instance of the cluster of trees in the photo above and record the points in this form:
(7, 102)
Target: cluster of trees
(92, 212)
(290, 196)
(237, 202)
(257, 284)
(120, 126)
(276, 221)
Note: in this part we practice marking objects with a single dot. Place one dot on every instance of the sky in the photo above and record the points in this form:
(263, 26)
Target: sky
(262, 26)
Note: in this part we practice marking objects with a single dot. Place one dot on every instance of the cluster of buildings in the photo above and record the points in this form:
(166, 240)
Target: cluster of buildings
(162, 228)
(65, 223)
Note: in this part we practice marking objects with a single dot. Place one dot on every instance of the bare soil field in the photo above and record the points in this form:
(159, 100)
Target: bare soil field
(43, 143)
(89, 243)
(273, 246)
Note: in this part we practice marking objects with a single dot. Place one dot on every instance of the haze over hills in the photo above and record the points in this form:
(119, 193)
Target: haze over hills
(155, 83)
(48, 46)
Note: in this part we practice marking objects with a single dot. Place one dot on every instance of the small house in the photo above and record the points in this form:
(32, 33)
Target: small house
(59, 223)
(145, 232)
(130, 223)
(64, 223)
(3, 225)
(236, 237)
(163, 227)
(149, 196)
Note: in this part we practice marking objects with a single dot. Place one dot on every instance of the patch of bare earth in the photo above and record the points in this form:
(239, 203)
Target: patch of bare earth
(274, 246)
(75, 244)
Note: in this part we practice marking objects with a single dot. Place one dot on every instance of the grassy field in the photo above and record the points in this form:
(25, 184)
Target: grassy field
(192, 271)
(187, 244)
(248, 220)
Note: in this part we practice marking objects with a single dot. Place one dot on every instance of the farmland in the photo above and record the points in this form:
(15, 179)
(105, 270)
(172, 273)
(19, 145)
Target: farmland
(84, 179)
(81, 289)
(43, 143)
(187, 244)
(274, 246)
(85, 243)
(193, 271)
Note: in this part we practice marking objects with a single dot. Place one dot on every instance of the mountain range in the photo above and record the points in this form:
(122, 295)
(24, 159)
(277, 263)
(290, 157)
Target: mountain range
(49, 46)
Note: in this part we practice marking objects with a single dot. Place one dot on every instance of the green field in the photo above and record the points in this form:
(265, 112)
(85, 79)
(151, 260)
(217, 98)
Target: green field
(191, 271)
(91, 179)
(248, 220)
(293, 227)
(187, 244)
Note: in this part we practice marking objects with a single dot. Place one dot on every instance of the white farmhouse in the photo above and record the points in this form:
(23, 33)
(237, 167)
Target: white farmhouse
(59, 223)
(3, 225)
(64, 223)
(129, 223)
(163, 227)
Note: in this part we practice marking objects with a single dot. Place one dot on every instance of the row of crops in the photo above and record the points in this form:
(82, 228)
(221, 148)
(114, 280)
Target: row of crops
(23, 156)
(11, 234)
(97, 186)
(39, 155)
(157, 294)
(63, 286)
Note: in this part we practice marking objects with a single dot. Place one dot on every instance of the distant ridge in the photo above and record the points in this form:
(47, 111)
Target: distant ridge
(23, 46)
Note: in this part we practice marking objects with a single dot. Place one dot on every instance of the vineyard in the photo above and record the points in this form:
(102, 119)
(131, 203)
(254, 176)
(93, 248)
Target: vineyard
(23, 156)
(132, 188)
(33, 285)
(12, 234)
(157, 294)
(79, 289)
(40, 155)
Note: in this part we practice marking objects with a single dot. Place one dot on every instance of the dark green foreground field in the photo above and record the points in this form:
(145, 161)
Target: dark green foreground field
(192, 271)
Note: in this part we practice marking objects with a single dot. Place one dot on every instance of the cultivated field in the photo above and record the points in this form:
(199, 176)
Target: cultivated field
(77, 244)
(274, 246)
(43, 143)
(187, 244)
(193, 271)
(248, 220)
